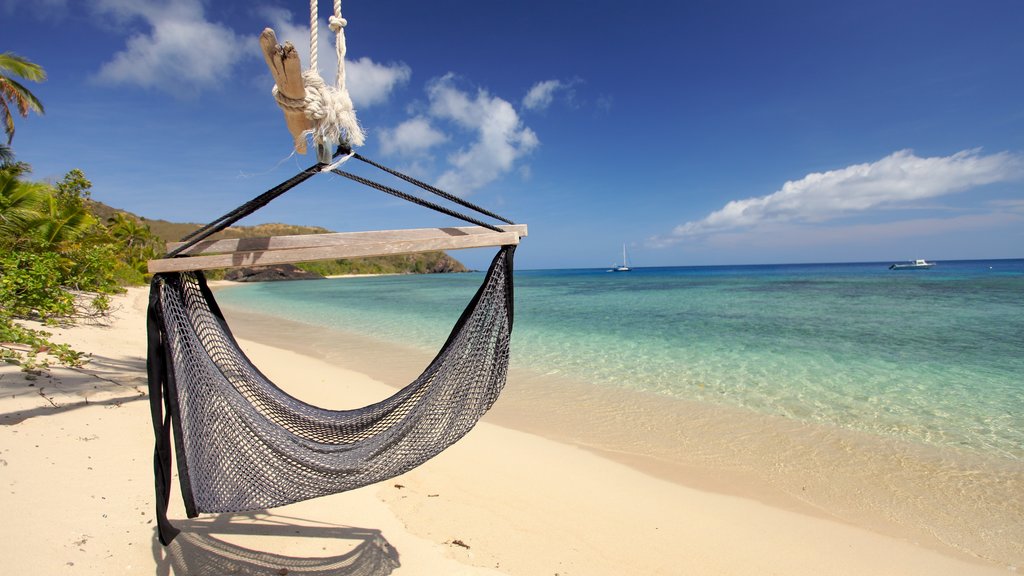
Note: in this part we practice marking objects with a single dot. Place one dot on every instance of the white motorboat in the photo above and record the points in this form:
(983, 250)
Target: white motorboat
(915, 265)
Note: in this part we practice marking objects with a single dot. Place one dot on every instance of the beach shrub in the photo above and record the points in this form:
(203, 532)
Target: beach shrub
(30, 286)
(58, 263)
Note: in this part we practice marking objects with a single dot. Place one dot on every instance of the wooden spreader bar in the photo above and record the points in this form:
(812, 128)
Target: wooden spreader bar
(235, 252)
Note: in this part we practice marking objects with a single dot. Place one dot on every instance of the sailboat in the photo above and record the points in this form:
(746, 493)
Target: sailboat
(624, 267)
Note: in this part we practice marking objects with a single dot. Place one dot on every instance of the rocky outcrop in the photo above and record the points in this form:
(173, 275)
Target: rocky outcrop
(446, 264)
(269, 273)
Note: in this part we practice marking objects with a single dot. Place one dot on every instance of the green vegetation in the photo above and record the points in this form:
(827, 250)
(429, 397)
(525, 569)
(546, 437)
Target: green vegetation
(59, 262)
(426, 263)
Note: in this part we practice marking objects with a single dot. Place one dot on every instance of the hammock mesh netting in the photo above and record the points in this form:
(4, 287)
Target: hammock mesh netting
(244, 444)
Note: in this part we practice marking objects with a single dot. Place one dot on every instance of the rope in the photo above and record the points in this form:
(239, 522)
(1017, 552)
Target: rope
(330, 108)
(432, 189)
(337, 25)
(244, 210)
(314, 32)
(348, 156)
(345, 153)
(415, 200)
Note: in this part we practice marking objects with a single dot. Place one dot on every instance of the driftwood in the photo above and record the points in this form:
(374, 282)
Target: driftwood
(286, 68)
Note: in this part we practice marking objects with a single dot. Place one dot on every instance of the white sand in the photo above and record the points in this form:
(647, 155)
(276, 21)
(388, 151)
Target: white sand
(77, 493)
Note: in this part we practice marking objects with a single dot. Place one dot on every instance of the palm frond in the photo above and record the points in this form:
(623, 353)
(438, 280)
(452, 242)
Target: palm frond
(11, 63)
(5, 114)
(58, 225)
(12, 91)
(21, 206)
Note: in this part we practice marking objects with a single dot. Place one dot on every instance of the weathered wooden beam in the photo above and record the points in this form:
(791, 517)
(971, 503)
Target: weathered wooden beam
(311, 247)
(334, 239)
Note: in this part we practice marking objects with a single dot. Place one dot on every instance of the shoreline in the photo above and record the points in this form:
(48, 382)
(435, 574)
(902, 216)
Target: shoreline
(500, 501)
(817, 470)
(922, 494)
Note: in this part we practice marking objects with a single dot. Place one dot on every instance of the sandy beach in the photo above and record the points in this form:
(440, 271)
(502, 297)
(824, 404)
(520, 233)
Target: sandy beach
(76, 468)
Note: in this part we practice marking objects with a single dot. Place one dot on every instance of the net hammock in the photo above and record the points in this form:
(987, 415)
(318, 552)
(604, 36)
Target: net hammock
(241, 443)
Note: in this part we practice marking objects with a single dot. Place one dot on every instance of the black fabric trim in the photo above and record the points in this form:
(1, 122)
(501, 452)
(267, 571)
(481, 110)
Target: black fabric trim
(180, 454)
(156, 368)
(510, 285)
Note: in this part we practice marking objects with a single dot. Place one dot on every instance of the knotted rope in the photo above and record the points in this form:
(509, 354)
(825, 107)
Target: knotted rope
(330, 108)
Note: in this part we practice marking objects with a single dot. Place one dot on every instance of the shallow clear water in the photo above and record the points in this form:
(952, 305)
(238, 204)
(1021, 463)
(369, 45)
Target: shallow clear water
(933, 356)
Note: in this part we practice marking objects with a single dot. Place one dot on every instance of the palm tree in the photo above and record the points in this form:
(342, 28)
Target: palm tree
(12, 92)
(135, 236)
(60, 225)
(21, 204)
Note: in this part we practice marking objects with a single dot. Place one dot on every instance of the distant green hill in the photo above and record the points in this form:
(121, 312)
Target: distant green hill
(428, 262)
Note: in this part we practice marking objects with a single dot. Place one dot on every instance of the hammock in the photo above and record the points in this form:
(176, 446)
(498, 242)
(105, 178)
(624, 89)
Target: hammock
(243, 444)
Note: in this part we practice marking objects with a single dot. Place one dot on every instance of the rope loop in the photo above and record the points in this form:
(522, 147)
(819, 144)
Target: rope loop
(286, 102)
(336, 23)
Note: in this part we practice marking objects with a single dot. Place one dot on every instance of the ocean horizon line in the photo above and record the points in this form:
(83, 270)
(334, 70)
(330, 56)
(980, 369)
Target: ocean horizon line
(775, 264)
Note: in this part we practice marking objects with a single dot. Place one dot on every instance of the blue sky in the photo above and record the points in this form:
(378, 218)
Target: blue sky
(712, 132)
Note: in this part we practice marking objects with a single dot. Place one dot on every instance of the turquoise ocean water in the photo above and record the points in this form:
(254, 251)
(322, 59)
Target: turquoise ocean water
(933, 357)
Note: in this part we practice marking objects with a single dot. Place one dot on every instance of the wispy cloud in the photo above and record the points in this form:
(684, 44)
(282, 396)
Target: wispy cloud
(368, 82)
(896, 181)
(500, 136)
(1010, 205)
(182, 53)
(542, 94)
(411, 137)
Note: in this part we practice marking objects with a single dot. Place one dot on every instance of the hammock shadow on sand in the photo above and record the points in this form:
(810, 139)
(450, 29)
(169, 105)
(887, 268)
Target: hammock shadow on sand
(199, 550)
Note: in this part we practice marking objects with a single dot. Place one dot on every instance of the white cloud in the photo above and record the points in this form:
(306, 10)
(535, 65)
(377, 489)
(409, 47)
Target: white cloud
(501, 137)
(368, 82)
(541, 94)
(410, 137)
(897, 180)
(182, 52)
(371, 83)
